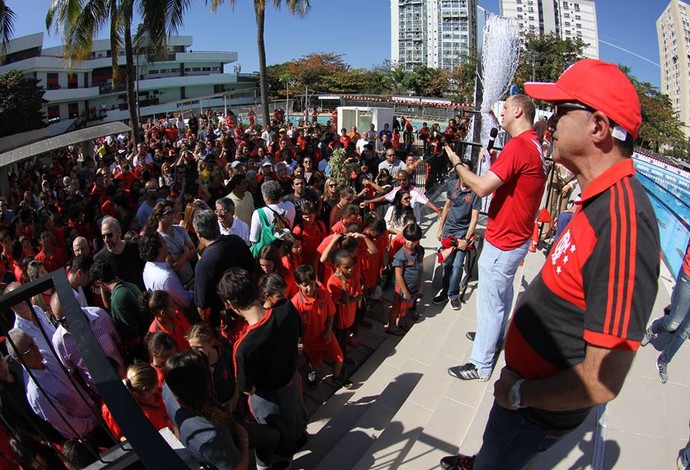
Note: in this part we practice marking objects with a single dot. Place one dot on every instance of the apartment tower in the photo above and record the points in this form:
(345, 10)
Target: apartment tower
(575, 19)
(673, 32)
(435, 33)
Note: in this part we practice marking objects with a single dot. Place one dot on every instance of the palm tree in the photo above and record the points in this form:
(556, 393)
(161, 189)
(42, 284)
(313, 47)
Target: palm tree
(7, 19)
(79, 21)
(300, 7)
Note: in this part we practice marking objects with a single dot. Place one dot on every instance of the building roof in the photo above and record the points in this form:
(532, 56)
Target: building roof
(60, 141)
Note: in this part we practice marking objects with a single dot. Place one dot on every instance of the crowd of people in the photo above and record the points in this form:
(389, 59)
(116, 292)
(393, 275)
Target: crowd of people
(207, 257)
(204, 258)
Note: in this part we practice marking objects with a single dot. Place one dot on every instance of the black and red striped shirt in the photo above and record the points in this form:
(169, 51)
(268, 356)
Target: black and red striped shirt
(597, 286)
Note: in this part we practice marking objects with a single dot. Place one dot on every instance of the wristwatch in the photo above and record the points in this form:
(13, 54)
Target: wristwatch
(515, 395)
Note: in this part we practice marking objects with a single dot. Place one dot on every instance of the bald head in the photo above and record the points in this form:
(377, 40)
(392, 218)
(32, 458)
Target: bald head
(20, 308)
(80, 247)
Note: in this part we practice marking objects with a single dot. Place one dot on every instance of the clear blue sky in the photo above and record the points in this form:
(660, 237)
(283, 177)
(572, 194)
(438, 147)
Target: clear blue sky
(360, 31)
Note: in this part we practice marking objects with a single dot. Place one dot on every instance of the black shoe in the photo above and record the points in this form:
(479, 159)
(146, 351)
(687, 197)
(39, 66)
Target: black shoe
(457, 462)
(466, 372)
(455, 304)
(440, 298)
(471, 335)
(342, 382)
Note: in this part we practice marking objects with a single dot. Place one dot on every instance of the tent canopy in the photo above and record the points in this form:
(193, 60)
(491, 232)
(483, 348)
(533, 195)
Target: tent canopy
(61, 141)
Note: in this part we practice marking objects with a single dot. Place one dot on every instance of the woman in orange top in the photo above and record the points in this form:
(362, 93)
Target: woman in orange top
(142, 383)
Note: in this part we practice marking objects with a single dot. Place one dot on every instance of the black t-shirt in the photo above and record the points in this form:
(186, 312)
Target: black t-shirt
(229, 251)
(266, 356)
(128, 265)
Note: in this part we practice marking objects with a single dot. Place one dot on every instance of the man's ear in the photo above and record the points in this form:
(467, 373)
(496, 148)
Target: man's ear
(601, 128)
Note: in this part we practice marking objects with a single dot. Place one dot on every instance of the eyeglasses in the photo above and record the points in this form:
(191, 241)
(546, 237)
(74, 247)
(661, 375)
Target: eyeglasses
(107, 235)
(561, 109)
(166, 213)
(30, 348)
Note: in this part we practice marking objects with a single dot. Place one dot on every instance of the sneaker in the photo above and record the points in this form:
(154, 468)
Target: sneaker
(466, 372)
(455, 304)
(311, 378)
(441, 298)
(457, 462)
(663, 373)
(648, 336)
(471, 335)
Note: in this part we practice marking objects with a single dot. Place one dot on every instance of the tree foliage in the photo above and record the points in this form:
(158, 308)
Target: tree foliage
(661, 130)
(546, 57)
(21, 99)
(298, 7)
(7, 20)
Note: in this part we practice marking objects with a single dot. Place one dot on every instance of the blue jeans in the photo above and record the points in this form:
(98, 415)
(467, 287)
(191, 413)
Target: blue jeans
(510, 441)
(494, 298)
(678, 319)
(453, 268)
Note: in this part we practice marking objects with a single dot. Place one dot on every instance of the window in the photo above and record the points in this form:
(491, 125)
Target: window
(53, 83)
(72, 81)
(73, 110)
(53, 112)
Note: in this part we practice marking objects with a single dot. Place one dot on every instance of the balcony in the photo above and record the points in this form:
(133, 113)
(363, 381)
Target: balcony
(71, 94)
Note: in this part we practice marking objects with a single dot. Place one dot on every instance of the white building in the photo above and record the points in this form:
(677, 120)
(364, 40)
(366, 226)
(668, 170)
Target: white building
(575, 19)
(673, 32)
(435, 33)
(183, 74)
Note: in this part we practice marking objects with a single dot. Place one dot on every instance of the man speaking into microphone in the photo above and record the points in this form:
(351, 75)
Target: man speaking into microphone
(517, 179)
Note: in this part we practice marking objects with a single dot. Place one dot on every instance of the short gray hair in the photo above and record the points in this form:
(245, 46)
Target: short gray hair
(206, 224)
(15, 335)
(110, 220)
(227, 204)
(271, 191)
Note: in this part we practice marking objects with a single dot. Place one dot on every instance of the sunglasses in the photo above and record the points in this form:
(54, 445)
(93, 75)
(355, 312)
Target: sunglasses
(166, 213)
(562, 109)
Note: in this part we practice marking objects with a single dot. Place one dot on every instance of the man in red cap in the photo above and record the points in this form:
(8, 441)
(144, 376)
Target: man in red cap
(576, 328)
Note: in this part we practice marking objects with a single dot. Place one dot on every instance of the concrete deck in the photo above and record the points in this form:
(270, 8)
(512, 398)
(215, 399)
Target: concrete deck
(406, 412)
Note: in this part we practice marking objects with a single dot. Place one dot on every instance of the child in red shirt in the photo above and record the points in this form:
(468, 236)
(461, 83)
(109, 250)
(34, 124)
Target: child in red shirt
(317, 312)
(345, 289)
(160, 346)
(310, 232)
(166, 317)
(142, 383)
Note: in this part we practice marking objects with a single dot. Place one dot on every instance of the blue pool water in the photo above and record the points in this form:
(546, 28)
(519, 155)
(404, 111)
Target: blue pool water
(669, 194)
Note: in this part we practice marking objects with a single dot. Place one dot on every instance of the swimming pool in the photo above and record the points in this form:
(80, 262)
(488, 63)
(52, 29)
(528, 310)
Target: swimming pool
(669, 193)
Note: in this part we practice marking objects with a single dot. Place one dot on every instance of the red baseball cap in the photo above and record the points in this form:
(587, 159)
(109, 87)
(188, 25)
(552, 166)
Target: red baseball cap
(599, 85)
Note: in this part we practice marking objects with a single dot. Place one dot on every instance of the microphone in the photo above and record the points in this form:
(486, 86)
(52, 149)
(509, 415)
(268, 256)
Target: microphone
(492, 138)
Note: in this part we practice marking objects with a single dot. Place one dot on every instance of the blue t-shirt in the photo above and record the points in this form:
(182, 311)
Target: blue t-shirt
(462, 202)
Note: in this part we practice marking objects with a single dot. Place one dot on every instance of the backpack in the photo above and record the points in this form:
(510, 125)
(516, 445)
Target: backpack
(270, 232)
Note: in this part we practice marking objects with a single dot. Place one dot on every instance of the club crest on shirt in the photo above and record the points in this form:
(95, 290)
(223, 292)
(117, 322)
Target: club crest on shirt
(562, 252)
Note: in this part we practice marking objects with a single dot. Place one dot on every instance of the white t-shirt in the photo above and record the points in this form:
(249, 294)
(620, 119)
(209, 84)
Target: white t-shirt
(417, 200)
(238, 228)
(285, 208)
(393, 168)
